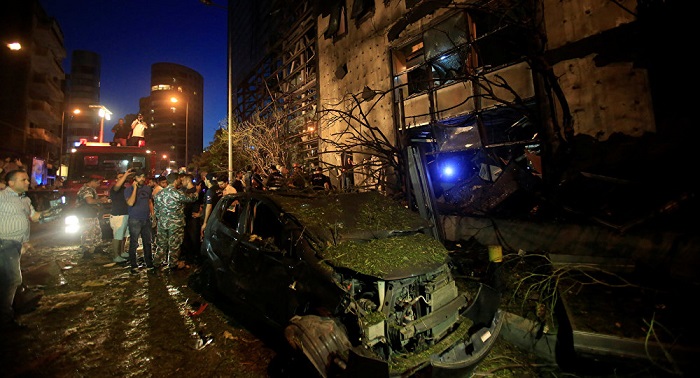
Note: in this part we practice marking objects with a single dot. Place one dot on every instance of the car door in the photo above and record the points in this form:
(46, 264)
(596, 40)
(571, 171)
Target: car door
(264, 262)
(229, 217)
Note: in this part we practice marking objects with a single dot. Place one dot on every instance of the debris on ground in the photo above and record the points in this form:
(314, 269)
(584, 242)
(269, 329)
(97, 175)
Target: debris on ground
(200, 308)
(54, 302)
(202, 340)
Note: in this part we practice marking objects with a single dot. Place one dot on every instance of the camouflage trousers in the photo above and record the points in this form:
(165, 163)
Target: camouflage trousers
(92, 233)
(169, 239)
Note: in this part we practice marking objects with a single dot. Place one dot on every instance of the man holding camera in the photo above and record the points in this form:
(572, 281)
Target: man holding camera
(119, 216)
(138, 132)
(138, 198)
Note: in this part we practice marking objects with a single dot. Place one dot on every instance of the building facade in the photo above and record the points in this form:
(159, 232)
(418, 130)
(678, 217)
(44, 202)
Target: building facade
(471, 84)
(274, 71)
(31, 85)
(175, 114)
(82, 115)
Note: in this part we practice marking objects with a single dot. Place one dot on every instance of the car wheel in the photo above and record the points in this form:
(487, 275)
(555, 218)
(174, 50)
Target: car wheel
(322, 341)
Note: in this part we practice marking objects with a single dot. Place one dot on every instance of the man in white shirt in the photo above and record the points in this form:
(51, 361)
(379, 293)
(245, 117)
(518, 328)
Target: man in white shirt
(138, 132)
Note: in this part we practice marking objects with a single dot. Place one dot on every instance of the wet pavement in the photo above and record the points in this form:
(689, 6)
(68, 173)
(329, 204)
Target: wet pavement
(94, 318)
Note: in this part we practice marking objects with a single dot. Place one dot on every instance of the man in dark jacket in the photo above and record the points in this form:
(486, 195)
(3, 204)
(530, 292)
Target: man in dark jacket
(210, 199)
(275, 180)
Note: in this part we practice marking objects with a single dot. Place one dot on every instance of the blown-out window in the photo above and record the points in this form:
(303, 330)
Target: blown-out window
(337, 24)
(453, 49)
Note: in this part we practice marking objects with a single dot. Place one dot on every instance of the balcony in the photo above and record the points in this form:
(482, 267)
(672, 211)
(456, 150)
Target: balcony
(40, 112)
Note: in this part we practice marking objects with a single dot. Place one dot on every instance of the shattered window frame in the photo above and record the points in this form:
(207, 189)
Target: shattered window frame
(338, 21)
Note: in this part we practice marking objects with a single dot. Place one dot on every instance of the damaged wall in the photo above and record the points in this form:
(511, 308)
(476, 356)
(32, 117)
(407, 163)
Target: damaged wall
(567, 21)
(607, 100)
(605, 97)
(351, 61)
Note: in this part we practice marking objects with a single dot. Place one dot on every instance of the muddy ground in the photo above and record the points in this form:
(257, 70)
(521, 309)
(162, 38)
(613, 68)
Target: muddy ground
(95, 319)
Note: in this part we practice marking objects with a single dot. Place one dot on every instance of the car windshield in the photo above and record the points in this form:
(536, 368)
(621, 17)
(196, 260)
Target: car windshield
(368, 233)
(348, 216)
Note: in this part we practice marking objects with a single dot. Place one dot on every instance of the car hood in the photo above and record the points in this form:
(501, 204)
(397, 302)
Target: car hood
(369, 233)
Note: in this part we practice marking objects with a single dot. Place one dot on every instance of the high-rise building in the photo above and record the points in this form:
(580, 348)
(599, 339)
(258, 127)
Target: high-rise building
(82, 119)
(174, 112)
(275, 48)
(31, 80)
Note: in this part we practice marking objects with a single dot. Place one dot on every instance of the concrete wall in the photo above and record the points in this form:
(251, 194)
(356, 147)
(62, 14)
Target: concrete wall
(614, 97)
(608, 99)
(364, 50)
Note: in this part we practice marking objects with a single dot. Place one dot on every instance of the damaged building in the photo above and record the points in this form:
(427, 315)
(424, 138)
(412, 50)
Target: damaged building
(551, 113)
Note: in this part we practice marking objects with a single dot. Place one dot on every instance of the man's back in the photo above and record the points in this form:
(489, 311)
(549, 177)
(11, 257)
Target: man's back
(319, 180)
(170, 203)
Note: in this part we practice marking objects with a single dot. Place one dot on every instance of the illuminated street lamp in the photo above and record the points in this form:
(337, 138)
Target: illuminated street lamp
(103, 112)
(164, 163)
(187, 127)
(63, 141)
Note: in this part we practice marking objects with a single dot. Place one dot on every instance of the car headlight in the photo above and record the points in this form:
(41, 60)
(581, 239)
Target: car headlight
(72, 224)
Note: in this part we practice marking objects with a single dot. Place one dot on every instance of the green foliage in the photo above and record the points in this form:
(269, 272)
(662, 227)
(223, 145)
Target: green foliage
(257, 141)
(379, 257)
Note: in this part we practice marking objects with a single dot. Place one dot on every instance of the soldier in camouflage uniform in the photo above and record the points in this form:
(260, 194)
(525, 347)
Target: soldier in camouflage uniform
(87, 203)
(169, 206)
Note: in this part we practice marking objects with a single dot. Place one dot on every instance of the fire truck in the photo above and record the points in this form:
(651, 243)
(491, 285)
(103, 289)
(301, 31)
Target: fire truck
(104, 161)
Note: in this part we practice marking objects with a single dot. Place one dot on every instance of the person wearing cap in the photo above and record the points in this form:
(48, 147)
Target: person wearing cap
(169, 207)
(138, 132)
(88, 203)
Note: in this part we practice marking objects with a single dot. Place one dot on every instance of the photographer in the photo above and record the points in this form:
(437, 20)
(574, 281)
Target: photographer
(119, 216)
(138, 132)
(138, 197)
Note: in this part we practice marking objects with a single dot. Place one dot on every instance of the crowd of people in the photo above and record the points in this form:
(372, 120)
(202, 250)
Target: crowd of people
(163, 216)
(169, 213)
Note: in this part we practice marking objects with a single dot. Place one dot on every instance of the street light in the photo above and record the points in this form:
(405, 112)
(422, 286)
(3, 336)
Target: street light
(103, 112)
(164, 164)
(187, 127)
(63, 141)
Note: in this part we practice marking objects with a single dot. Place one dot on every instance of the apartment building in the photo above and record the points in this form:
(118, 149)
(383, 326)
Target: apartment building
(31, 85)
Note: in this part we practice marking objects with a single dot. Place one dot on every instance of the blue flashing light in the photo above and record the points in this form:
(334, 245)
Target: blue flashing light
(448, 171)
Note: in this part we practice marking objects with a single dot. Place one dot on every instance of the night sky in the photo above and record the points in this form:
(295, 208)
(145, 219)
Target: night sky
(131, 35)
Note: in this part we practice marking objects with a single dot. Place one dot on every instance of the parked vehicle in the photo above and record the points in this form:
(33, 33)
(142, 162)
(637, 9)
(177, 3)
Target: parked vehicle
(353, 281)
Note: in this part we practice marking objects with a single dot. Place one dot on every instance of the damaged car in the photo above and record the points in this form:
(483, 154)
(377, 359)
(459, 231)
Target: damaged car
(355, 281)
